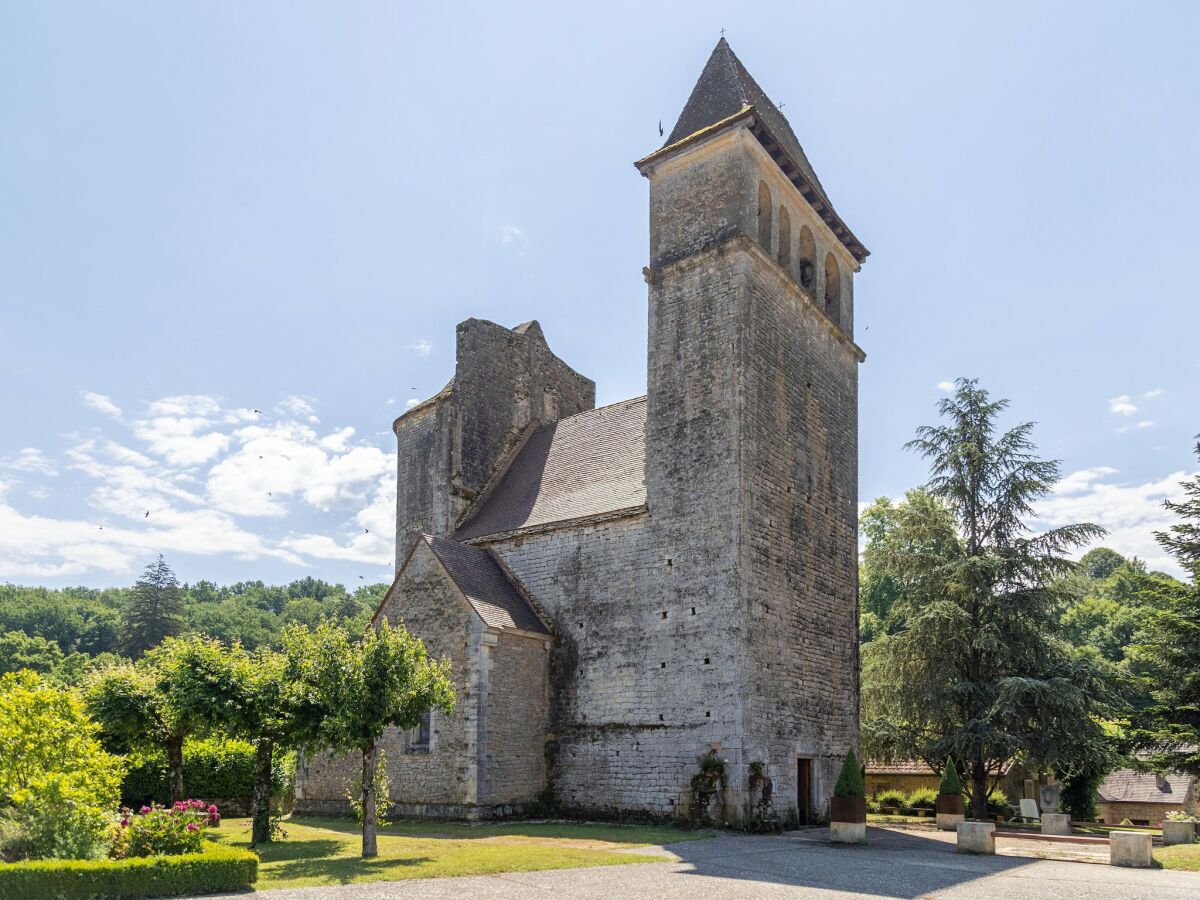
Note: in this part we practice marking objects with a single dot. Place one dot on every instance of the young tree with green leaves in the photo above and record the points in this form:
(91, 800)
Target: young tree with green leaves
(251, 695)
(356, 689)
(1167, 732)
(153, 703)
(976, 667)
(154, 611)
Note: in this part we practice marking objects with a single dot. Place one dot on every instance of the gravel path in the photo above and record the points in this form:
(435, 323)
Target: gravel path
(803, 864)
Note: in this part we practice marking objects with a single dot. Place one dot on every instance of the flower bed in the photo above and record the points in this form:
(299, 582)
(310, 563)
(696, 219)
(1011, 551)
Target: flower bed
(214, 869)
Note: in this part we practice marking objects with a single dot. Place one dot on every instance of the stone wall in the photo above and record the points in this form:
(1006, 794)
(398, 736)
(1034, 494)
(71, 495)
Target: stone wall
(449, 447)
(515, 699)
(1150, 813)
(799, 495)
(633, 700)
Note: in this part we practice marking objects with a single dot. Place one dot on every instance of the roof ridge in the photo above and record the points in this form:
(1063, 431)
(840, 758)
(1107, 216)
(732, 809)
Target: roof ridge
(596, 409)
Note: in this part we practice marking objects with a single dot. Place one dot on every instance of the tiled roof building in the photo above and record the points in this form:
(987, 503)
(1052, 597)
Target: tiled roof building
(621, 590)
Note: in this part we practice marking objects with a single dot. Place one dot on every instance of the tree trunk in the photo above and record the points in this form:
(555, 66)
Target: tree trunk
(260, 832)
(979, 790)
(175, 766)
(369, 847)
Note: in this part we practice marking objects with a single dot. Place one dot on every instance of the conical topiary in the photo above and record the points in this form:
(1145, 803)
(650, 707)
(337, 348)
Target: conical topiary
(849, 783)
(950, 783)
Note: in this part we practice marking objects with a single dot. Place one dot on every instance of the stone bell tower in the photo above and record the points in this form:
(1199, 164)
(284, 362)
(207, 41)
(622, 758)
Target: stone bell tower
(752, 423)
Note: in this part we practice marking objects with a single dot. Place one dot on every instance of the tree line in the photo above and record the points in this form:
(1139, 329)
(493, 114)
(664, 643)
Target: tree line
(63, 632)
(983, 642)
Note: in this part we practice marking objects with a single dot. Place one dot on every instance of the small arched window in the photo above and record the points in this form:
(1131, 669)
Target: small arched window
(785, 238)
(833, 288)
(806, 259)
(764, 216)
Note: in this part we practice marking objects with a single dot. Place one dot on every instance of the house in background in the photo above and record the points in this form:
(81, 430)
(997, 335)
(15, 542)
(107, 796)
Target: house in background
(1145, 798)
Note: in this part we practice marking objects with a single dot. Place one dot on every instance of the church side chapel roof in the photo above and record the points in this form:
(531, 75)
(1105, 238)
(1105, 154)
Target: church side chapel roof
(485, 585)
(586, 465)
(725, 90)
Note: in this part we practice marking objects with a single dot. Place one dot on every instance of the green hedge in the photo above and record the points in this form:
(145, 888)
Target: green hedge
(215, 870)
(212, 768)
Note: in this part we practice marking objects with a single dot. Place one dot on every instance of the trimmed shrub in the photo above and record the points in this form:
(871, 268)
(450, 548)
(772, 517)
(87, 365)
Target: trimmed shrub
(849, 783)
(891, 797)
(950, 783)
(215, 768)
(922, 798)
(216, 869)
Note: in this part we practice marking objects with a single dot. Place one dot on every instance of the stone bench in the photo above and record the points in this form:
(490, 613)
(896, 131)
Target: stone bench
(1131, 849)
(1053, 838)
(976, 837)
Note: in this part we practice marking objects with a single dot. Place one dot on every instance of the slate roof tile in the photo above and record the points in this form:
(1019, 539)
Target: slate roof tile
(585, 465)
(485, 585)
(1128, 786)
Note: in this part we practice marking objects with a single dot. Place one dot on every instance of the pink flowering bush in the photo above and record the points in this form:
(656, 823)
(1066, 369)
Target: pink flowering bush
(163, 831)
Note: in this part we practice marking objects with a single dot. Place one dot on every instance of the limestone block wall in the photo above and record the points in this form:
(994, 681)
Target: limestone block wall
(515, 720)
(504, 379)
(799, 495)
(423, 502)
(449, 447)
(642, 676)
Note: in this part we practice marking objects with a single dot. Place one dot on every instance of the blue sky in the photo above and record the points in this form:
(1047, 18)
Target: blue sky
(208, 209)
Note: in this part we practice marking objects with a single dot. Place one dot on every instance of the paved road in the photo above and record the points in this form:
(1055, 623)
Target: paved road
(895, 864)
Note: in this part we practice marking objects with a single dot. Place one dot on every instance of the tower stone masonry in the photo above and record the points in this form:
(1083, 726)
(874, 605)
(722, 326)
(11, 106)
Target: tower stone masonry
(622, 590)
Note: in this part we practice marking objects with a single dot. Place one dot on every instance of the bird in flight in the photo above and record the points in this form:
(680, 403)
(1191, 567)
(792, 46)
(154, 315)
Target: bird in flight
(366, 531)
(257, 412)
(147, 515)
(660, 131)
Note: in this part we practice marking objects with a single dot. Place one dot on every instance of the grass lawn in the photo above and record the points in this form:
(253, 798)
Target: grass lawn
(326, 851)
(1179, 856)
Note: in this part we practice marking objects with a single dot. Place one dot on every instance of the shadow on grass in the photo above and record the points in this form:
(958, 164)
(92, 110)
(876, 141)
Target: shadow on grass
(593, 831)
(291, 848)
(343, 870)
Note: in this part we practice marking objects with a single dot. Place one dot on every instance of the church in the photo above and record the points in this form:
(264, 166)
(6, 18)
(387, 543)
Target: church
(621, 590)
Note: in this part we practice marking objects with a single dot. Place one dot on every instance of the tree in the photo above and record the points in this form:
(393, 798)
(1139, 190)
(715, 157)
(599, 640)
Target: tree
(1168, 730)
(151, 703)
(356, 689)
(1100, 562)
(252, 695)
(154, 611)
(60, 785)
(20, 651)
(976, 667)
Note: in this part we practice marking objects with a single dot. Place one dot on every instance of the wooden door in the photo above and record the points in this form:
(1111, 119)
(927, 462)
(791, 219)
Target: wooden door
(804, 790)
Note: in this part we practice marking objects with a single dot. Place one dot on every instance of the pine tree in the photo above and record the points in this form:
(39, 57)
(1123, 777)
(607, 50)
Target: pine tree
(1168, 732)
(976, 667)
(154, 611)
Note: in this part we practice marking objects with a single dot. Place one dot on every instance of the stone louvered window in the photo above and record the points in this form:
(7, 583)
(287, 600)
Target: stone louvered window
(764, 216)
(833, 288)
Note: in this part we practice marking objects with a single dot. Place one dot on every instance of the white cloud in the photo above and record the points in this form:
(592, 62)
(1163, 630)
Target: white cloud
(301, 407)
(101, 403)
(373, 541)
(1122, 406)
(151, 493)
(514, 236)
(947, 386)
(411, 402)
(181, 429)
(423, 347)
(1130, 512)
(30, 459)
(1145, 423)
(1151, 394)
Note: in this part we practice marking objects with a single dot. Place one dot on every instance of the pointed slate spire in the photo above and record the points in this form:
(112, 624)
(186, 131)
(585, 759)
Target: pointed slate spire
(724, 89)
